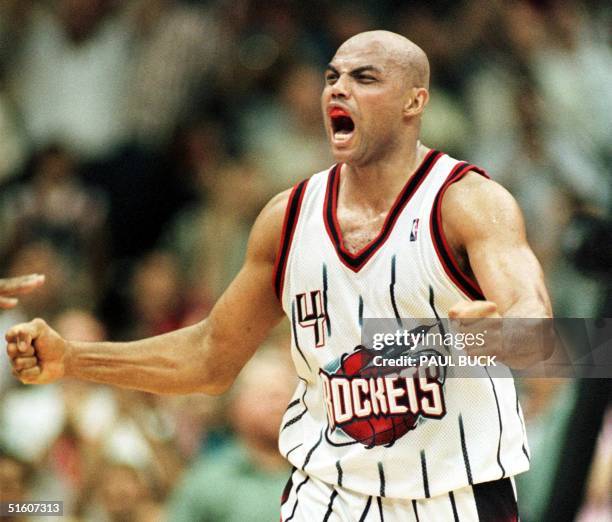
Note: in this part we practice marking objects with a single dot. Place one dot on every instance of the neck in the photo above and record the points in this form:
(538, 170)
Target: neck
(377, 184)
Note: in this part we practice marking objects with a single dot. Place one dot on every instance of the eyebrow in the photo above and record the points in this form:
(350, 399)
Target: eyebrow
(356, 71)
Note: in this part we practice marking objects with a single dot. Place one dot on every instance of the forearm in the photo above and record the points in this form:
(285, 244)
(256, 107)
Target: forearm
(173, 363)
(527, 332)
(534, 305)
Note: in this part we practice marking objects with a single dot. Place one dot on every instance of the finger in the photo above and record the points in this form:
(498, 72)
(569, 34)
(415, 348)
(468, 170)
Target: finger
(24, 331)
(25, 343)
(486, 320)
(23, 363)
(22, 339)
(30, 374)
(470, 309)
(8, 302)
(12, 351)
(20, 285)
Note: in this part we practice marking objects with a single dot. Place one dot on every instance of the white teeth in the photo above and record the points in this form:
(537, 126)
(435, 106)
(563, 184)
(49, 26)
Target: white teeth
(343, 135)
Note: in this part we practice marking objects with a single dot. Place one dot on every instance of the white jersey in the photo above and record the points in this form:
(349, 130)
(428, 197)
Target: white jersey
(461, 431)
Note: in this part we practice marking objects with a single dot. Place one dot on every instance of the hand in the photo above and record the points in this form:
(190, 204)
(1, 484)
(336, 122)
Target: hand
(479, 317)
(17, 286)
(469, 312)
(519, 343)
(37, 352)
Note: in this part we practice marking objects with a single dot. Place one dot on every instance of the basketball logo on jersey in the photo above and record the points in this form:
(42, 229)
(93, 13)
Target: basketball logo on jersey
(311, 314)
(415, 229)
(376, 405)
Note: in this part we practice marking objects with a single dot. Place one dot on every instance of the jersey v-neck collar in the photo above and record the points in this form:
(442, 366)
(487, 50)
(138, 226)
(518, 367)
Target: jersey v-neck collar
(359, 259)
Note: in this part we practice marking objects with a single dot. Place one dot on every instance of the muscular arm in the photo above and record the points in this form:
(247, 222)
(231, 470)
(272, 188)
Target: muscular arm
(204, 358)
(483, 222)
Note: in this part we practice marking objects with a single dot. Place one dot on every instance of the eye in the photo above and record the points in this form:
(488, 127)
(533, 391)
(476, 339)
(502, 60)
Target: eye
(330, 78)
(366, 78)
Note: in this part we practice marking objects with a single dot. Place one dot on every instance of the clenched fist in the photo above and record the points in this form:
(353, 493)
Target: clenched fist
(480, 318)
(37, 352)
(518, 343)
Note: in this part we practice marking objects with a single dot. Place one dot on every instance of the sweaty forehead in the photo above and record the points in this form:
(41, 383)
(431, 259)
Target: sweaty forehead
(356, 54)
(388, 51)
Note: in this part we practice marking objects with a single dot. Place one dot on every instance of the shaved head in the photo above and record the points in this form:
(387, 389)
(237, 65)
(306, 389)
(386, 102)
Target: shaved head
(410, 59)
(376, 90)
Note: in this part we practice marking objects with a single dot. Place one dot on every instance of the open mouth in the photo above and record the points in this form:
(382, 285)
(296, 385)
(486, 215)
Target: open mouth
(342, 124)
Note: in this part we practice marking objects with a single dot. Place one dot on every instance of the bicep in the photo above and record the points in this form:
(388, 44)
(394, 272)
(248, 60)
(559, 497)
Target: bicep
(489, 225)
(244, 314)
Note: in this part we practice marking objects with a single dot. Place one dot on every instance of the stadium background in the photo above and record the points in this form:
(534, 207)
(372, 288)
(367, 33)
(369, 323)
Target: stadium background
(140, 138)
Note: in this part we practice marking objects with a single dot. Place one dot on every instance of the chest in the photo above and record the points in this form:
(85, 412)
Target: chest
(359, 227)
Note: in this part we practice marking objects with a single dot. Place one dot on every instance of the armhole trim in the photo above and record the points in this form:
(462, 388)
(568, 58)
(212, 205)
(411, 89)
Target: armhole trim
(467, 284)
(289, 224)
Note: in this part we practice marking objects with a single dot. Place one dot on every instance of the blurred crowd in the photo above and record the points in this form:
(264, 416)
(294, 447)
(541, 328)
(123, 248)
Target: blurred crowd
(140, 138)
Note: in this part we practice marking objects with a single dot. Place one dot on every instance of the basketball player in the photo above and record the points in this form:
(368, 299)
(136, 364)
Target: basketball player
(389, 230)
(12, 286)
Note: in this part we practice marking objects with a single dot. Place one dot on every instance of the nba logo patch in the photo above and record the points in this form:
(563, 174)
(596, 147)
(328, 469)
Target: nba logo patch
(415, 229)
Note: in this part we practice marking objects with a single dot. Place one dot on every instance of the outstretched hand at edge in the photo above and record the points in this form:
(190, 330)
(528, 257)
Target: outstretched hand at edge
(13, 286)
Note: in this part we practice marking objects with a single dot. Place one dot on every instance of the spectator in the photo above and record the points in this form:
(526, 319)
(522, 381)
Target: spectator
(284, 135)
(15, 481)
(251, 464)
(156, 290)
(43, 258)
(70, 76)
(121, 494)
(210, 238)
(177, 48)
(54, 206)
(598, 504)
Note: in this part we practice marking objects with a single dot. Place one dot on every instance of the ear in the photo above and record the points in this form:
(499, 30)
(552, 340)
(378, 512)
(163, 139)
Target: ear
(416, 102)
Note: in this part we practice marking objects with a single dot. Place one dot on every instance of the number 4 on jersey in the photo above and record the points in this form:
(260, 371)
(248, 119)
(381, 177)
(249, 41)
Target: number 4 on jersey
(311, 314)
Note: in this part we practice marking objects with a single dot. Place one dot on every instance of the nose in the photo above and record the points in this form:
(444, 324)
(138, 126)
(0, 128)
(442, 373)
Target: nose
(341, 87)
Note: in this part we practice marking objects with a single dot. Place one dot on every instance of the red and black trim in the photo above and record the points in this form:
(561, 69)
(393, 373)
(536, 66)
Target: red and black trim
(288, 487)
(466, 284)
(356, 261)
(291, 217)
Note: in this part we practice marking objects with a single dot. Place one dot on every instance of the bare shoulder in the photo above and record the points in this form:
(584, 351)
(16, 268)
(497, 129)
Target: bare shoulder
(476, 207)
(267, 229)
